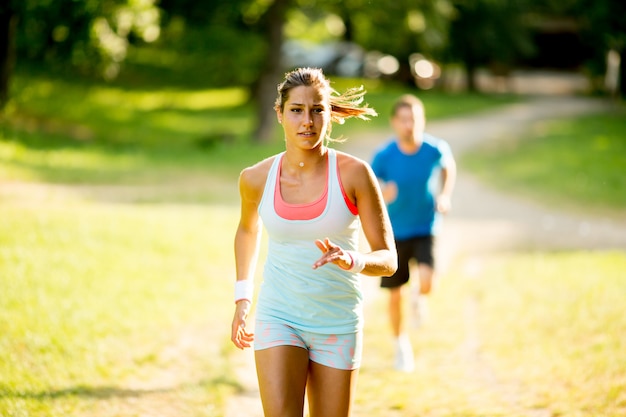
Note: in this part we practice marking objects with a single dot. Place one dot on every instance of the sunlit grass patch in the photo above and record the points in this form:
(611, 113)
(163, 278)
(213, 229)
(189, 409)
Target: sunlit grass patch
(167, 117)
(524, 334)
(438, 105)
(204, 99)
(574, 162)
(556, 323)
(106, 304)
(35, 159)
(71, 131)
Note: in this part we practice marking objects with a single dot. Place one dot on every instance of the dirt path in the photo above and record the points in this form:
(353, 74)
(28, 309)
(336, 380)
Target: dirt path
(506, 221)
(503, 221)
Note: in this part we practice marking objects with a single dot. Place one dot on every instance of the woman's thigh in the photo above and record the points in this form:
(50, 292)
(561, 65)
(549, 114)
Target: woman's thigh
(282, 374)
(330, 390)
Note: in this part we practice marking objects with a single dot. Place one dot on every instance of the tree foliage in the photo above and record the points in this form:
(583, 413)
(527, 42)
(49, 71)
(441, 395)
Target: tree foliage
(604, 29)
(89, 35)
(240, 41)
(488, 33)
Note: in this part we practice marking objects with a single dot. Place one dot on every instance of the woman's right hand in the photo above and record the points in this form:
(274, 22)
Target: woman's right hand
(239, 335)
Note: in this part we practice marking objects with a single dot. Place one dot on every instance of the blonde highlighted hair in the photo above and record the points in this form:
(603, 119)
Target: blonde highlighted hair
(342, 106)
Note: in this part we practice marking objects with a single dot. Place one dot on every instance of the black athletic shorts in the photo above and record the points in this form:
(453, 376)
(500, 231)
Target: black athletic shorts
(419, 248)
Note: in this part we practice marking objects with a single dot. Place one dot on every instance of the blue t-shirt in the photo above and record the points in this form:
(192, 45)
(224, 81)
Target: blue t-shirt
(417, 177)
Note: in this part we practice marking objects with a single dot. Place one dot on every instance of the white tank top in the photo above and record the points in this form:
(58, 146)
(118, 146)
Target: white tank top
(326, 300)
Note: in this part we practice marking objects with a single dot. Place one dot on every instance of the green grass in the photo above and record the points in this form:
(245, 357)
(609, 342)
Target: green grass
(211, 173)
(114, 304)
(68, 131)
(114, 310)
(116, 272)
(578, 163)
(381, 96)
(511, 335)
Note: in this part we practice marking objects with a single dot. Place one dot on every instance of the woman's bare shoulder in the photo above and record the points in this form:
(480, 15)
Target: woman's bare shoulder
(351, 163)
(255, 176)
(356, 174)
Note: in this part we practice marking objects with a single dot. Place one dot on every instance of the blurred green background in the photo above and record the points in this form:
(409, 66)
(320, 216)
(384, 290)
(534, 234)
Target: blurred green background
(451, 45)
(125, 124)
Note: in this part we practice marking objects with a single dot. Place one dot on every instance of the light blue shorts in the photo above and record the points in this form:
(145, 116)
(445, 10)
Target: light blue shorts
(339, 351)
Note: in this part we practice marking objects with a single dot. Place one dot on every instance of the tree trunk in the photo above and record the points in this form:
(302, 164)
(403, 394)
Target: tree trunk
(8, 24)
(621, 81)
(470, 70)
(265, 92)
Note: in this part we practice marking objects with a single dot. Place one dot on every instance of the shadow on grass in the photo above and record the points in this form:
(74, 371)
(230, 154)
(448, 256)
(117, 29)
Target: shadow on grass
(108, 392)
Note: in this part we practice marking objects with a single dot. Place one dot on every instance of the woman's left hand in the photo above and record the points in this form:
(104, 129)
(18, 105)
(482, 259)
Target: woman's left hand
(332, 253)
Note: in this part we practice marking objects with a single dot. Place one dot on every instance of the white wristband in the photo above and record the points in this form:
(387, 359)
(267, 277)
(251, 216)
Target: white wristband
(358, 261)
(244, 290)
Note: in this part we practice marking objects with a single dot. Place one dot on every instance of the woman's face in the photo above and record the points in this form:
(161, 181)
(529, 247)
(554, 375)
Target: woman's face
(305, 117)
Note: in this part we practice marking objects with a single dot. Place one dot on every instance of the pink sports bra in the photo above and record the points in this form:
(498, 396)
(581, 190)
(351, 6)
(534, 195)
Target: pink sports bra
(307, 211)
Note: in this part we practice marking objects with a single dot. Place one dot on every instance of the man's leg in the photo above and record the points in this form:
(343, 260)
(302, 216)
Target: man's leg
(426, 275)
(395, 310)
(404, 350)
(423, 285)
(420, 293)
(396, 285)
